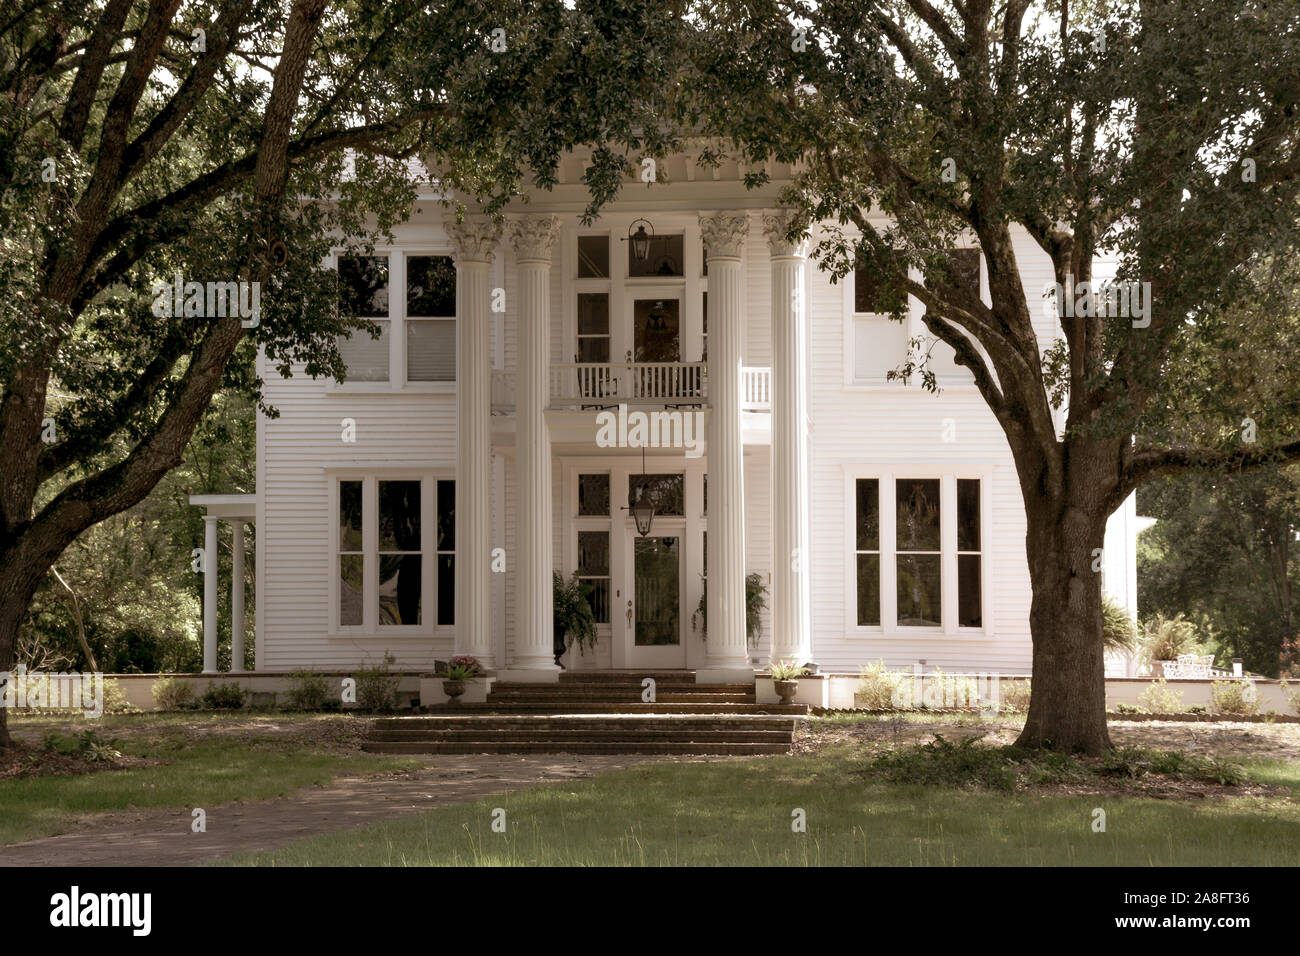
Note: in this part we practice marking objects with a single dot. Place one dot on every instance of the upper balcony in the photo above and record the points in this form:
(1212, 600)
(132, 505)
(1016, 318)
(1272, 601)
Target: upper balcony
(591, 386)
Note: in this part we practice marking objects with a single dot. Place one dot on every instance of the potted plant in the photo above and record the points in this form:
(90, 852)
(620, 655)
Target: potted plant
(755, 601)
(783, 679)
(1165, 638)
(571, 614)
(459, 670)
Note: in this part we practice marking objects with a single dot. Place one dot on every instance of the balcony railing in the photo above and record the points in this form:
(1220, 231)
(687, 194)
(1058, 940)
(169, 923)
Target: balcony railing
(609, 383)
(605, 384)
(756, 389)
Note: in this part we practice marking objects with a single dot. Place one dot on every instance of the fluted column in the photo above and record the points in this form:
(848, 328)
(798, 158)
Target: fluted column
(790, 587)
(211, 564)
(728, 657)
(534, 657)
(475, 239)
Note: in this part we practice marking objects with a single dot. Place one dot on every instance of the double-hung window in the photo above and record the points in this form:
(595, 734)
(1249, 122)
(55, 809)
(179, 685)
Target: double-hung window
(593, 524)
(416, 346)
(879, 341)
(394, 554)
(917, 558)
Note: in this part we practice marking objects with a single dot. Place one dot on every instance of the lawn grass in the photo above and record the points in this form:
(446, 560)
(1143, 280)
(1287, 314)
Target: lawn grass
(740, 812)
(200, 768)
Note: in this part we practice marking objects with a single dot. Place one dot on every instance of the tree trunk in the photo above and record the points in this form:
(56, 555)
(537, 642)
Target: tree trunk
(1067, 708)
(17, 585)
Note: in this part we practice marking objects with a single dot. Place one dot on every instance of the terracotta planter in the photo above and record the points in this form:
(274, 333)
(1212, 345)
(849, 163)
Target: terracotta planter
(786, 689)
(453, 689)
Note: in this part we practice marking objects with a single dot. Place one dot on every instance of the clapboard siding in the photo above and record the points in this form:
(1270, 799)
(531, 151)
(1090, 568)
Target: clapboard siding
(852, 428)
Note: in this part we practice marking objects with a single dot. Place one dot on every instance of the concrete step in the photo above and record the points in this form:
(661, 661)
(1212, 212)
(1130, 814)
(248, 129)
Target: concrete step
(607, 686)
(617, 699)
(627, 722)
(623, 707)
(628, 676)
(594, 736)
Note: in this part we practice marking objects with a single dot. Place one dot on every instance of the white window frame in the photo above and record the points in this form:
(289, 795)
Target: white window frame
(369, 628)
(911, 325)
(397, 322)
(887, 474)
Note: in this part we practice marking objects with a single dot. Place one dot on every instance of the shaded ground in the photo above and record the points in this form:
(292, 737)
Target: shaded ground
(164, 837)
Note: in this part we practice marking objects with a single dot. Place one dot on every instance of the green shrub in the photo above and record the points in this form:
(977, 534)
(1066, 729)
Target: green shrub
(1013, 696)
(307, 690)
(968, 765)
(1233, 697)
(226, 696)
(1136, 762)
(115, 701)
(1160, 699)
(86, 744)
(1127, 709)
(1292, 697)
(1118, 630)
(173, 693)
(1197, 709)
(377, 687)
(879, 687)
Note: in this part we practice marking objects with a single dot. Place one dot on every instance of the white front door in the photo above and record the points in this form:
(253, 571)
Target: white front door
(655, 598)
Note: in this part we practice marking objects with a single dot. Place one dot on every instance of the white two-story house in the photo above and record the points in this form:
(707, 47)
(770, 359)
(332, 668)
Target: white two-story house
(535, 383)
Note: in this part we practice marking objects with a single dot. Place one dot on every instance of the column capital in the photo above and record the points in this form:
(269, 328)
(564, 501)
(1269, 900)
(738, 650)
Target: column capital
(474, 238)
(724, 234)
(776, 226)
(534, 237)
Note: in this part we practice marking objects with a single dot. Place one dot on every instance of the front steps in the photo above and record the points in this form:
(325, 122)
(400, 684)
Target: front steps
(598, 713)
(569, 733)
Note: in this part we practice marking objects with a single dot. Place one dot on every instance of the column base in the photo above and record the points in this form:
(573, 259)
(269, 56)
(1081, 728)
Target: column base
(527, 673)
(724, 675)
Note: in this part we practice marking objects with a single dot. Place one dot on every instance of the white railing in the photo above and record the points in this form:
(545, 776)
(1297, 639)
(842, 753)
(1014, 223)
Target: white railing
(755, 389)
(608, 383)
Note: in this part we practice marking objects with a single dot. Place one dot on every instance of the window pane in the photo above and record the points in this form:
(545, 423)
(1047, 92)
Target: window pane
(667, 492)
(968, 591)
(918, 514)
(656, 325)
(593, 257)
(446, 589)
(399, 516)
(593, 314)
(879, 345)
(400, 589)
(366, 358)
(664, 258)
(868, 514)
(870, 293)
(363, 286)
(350, 516)
(431, 351)
(430, 286)
(593, 553)
(351, 568)
(918, 590)
(868, 589)
(968, 514)
(593, 495)
(446, 517)
(594, 349)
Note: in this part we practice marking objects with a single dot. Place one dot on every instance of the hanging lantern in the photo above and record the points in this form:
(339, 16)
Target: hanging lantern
(640, 239)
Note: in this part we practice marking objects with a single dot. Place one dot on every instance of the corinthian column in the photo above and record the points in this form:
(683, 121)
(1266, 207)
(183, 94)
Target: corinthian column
(534, 658)
(790, 589)
(728, 658)
(474, 240)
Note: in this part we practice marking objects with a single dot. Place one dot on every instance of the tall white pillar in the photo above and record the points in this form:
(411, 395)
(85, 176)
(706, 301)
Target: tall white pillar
(728, 657)
(211, 563)
(475, 240)
(534, 658)
(791, 628)
(237, 597)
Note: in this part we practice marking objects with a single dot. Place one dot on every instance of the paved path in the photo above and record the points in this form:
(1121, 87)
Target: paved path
(163, 837)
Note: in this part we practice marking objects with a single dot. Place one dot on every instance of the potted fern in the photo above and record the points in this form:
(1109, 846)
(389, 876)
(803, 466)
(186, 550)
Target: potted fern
(571, 614)
(459, 670)
(783, 679)
(755, 602)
